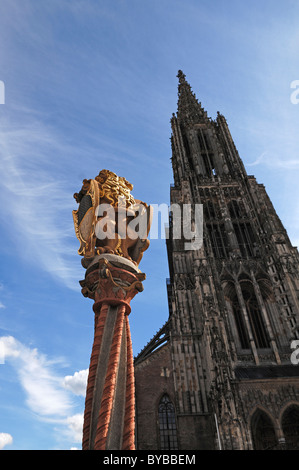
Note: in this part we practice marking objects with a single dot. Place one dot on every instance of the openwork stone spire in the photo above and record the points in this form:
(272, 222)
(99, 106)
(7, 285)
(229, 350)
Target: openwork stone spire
(189, 108)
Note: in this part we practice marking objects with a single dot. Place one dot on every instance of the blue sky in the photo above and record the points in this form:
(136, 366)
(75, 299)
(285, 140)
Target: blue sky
(91, 85)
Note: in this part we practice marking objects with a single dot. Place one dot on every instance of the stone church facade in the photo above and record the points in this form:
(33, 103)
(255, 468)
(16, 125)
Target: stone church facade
(218, 374)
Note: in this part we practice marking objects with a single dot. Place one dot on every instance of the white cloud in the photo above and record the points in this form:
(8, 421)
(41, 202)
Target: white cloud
(75, 424)
(5, 439)
(45, 392)
(76, 383)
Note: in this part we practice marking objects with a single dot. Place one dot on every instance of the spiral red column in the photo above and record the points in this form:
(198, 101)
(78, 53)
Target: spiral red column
(129, 421)
(109, 416)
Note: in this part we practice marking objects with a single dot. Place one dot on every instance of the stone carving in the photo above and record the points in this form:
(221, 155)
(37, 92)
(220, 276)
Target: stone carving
(123, 231)
(112, 228)
(272, 399)
(107, 282)
(185, 281)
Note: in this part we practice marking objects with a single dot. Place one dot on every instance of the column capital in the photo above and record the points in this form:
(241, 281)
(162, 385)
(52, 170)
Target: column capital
(112, 280)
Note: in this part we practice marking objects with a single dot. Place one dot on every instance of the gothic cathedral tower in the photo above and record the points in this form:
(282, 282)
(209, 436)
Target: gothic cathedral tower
(219, 373)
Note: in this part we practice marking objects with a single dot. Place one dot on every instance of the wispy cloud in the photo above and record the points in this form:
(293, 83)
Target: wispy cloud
(36, 200)
(274, 161)
(46, 394)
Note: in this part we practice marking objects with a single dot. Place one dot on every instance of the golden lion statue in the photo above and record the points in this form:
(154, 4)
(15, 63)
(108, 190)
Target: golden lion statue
(110, 220)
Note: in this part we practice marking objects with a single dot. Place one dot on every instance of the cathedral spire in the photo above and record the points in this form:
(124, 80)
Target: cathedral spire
(189, 108)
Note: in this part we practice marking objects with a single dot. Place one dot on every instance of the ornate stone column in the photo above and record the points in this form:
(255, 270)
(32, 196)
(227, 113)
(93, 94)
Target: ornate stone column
(112, 228)
(109, 417)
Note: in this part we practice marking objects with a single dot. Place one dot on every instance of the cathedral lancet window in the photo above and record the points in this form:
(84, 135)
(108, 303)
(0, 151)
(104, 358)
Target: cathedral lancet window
(167, 424)
(263, 432)
(247, 300)
(218, 240)
(290, 427)
(245, 238)
(206, 153)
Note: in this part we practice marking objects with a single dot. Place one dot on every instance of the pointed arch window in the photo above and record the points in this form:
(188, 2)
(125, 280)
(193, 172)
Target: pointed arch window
(290, 427)
(206, 153)
(245, 238)
(240, 324)
(263, 432)
(254, 315)
(257, 325)
(167, 424)
(218, 240)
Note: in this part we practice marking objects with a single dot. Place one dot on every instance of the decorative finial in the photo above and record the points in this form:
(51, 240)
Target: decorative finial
(181, 76)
